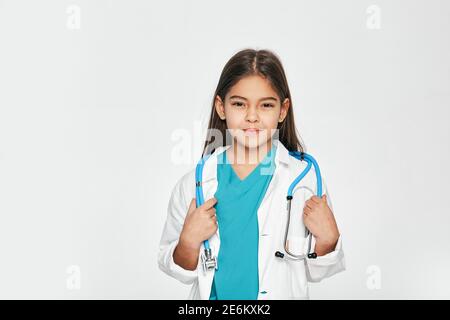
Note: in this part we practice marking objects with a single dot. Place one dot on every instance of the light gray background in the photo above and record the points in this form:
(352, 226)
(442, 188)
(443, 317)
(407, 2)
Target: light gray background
(88, 118)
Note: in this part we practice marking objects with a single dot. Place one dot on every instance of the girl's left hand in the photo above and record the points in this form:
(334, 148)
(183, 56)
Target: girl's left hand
(319, 219)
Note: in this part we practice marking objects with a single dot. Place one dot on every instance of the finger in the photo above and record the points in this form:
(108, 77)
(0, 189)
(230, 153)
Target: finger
(210, 203)
(309, 205)
(305, 215)
(316, 199)
(306, 210)
(208, 213)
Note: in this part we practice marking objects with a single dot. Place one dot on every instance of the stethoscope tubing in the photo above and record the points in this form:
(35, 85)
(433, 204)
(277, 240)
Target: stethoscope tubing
(300, 156)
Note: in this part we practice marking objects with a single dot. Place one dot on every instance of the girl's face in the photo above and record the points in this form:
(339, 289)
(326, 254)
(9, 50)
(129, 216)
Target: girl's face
(252, 110)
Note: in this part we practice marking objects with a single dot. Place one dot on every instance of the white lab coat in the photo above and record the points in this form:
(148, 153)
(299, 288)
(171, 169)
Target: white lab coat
(278, 278)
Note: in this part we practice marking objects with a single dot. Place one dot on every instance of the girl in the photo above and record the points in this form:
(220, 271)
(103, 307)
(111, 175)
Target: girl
(245, 183)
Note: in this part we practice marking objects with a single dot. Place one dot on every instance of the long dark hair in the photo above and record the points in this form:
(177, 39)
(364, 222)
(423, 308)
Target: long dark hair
(249, 62)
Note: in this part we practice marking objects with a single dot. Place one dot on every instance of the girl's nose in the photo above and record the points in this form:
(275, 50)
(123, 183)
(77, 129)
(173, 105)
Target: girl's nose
(252, 114)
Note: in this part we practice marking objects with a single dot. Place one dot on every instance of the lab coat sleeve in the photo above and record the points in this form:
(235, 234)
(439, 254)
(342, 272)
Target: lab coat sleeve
(176, 213)
(329, 264)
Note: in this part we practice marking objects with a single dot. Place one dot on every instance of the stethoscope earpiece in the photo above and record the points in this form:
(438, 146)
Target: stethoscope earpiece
(312, 255)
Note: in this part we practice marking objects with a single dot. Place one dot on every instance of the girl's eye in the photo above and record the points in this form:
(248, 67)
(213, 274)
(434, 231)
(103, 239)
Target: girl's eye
(265, 105)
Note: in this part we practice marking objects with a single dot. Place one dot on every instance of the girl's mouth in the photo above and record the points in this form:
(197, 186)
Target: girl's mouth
(251, 131)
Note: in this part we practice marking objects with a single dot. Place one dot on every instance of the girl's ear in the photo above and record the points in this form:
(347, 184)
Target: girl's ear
(220, 109)
(284, 109)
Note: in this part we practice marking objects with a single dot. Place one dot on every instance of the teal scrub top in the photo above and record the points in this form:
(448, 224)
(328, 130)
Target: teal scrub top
(236, 209)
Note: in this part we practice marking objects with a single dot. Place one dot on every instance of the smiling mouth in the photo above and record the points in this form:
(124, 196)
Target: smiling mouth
(251, 131)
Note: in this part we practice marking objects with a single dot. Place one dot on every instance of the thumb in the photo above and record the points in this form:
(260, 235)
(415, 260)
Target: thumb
(324, 197)
(192, 205)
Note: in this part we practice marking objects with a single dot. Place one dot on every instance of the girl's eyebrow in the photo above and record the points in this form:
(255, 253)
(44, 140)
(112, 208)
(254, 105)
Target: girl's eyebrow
(265, 98)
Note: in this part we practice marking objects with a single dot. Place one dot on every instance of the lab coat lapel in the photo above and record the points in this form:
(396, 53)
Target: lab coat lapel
(279, 174)
(209, 185)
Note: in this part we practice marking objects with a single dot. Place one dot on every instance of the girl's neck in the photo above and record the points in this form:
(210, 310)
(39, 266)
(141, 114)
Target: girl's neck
(239, 155)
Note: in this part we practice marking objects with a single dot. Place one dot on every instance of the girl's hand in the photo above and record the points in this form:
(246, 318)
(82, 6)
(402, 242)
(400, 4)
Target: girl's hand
(200, 223)
(319, 219)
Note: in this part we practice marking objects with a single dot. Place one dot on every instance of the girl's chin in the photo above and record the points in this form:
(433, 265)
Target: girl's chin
(251, 142)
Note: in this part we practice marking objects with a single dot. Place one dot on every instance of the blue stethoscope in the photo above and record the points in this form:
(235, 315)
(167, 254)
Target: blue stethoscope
(210, 262)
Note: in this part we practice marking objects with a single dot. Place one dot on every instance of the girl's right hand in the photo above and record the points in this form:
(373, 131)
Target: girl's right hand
(200, 223)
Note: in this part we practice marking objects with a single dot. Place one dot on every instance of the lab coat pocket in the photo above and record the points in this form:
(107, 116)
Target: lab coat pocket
(298, 287)
(297, 282)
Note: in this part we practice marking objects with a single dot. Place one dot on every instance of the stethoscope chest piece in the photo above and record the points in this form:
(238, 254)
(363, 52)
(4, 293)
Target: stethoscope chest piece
(209, 262)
